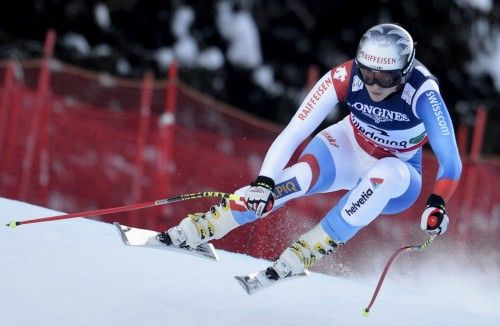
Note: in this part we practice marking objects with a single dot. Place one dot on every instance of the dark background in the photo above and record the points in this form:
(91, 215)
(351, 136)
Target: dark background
(294, 35)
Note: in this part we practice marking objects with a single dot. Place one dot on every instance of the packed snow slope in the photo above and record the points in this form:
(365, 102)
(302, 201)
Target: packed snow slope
(78, 272)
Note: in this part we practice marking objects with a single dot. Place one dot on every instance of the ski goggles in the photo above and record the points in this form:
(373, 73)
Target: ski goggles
(385, 79)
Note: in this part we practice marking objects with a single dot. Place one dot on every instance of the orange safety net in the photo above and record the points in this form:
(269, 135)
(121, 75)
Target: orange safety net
(87, 154)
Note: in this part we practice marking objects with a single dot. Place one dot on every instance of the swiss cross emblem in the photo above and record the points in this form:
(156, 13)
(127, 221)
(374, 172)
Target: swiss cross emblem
(340, 73)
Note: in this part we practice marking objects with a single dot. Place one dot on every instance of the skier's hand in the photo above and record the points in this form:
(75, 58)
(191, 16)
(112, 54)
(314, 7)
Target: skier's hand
(434, 220)
(260, 197)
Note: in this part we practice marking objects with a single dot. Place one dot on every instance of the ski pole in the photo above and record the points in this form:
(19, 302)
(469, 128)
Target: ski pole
(204, 194)
(420, 247)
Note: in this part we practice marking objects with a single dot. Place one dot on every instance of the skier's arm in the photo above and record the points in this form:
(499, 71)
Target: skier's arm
(322, 98)
(432, 110)
(317, 104)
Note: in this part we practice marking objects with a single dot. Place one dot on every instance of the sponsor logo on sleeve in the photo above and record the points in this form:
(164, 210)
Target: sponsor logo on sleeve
(438, 112)
(313, 99)
(286, 188)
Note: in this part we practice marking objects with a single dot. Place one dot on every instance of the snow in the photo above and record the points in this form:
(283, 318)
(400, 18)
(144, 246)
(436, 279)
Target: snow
(264, 77)
(211, 58)
(77, 272)
(488, 60)
(483, 5)
(77, 42)
(185, 49)
(241, 31)
(102, 16)
(164, 56)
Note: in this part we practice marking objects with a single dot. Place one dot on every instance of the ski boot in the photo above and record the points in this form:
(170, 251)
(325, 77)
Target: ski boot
(303, 253)
(199, 228)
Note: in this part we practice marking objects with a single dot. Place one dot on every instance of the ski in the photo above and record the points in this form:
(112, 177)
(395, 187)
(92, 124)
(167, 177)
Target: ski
(257, 281)
(137, 237)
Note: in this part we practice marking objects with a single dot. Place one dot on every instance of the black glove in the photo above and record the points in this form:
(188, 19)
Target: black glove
(434, 220)
(260, 197)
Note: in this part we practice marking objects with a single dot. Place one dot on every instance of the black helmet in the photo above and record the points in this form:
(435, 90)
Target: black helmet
(386, 48)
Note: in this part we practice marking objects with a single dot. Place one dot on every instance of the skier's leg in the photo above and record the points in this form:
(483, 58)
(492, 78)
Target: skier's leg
(220, 219)
(328, 163)
(315, 171)
(390, 186)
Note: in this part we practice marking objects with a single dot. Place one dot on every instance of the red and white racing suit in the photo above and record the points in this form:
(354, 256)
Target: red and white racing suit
(375, 152)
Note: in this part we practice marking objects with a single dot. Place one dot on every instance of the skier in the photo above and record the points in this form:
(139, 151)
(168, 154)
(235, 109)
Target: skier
(375, 152)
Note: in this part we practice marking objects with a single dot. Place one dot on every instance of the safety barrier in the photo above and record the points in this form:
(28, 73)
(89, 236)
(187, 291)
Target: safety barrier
(73, 140)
